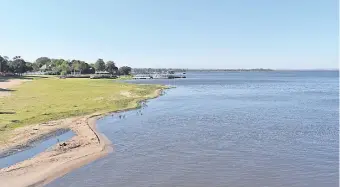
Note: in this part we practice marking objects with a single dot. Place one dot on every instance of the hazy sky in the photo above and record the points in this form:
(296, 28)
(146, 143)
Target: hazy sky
(289, 34)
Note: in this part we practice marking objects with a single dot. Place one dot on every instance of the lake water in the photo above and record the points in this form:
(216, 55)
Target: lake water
(34, 149)
(225, 129)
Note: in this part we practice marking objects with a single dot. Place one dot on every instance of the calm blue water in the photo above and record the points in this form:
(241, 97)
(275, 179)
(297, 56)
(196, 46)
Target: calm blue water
(225, 129)
(35, 149)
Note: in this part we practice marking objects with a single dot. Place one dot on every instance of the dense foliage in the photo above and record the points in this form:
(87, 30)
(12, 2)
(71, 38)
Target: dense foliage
(47, 65)
(124, 70)
(111, 67)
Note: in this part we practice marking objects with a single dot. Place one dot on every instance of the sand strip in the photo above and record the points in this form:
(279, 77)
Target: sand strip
(6, 85)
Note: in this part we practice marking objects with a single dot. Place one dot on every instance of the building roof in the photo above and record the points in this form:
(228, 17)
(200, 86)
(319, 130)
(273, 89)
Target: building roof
(44, 67)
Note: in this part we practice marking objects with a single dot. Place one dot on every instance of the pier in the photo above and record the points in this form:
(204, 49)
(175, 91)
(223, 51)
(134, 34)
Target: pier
(159, 76)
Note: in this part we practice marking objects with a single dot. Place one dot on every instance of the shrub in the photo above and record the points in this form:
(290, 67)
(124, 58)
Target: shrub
(103, 77)
(77, 76)
(63, 73)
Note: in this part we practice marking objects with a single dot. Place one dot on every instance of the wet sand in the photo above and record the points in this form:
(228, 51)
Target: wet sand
(87, 146)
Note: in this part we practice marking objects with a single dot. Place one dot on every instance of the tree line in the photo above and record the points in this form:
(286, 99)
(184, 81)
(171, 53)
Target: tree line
(52, 66)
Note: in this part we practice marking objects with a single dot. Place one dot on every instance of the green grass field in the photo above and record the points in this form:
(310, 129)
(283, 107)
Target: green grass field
(45, 99)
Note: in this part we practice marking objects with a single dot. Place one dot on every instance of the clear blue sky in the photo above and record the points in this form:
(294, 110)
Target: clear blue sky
(288, 34)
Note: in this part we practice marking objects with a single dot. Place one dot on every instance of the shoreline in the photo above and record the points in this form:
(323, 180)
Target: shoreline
(85, 147)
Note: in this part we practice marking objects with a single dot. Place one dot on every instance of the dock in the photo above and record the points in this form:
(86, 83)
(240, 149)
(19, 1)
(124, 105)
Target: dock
(159, 76)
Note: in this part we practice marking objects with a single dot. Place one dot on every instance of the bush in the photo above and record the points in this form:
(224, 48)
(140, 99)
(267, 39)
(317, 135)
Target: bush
(51, 73)
(6, 74)
(103, 77)
(77, 76)
(63, 73)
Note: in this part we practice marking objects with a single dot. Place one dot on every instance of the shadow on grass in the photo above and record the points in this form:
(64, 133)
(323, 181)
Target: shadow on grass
(26, 77)
(7, 112)
(6, 90)
(32, 77)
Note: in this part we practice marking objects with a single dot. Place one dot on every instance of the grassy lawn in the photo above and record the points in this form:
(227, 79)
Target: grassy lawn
(44, 99)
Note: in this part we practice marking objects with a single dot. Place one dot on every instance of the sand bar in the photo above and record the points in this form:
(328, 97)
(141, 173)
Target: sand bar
(6, 85)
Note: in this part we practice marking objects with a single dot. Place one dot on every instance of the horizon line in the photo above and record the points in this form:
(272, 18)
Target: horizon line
(271, 69)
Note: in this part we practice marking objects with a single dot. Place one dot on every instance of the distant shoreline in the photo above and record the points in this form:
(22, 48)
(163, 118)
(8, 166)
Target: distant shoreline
(231, 69)
(224, 70)
(262, 70)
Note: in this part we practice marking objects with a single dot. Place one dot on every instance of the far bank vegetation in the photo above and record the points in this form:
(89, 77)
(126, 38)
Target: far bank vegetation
(67, 68)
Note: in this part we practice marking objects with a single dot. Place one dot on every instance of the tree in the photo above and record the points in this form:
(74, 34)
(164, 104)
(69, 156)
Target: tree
(64, 68)
(17, 65)
(75, 64)
(125, 70)
(42, 61)
(3, 64)
(100, 65)
(55, 65)
(111, 67)
(35, 67)
(29, 66)
(57, 62)
(83, 66)
(88, 68)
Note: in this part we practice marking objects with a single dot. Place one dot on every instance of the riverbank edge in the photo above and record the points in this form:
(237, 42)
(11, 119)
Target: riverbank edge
(25, 173)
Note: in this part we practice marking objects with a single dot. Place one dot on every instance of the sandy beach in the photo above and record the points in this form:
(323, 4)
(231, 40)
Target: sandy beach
(86, 146)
